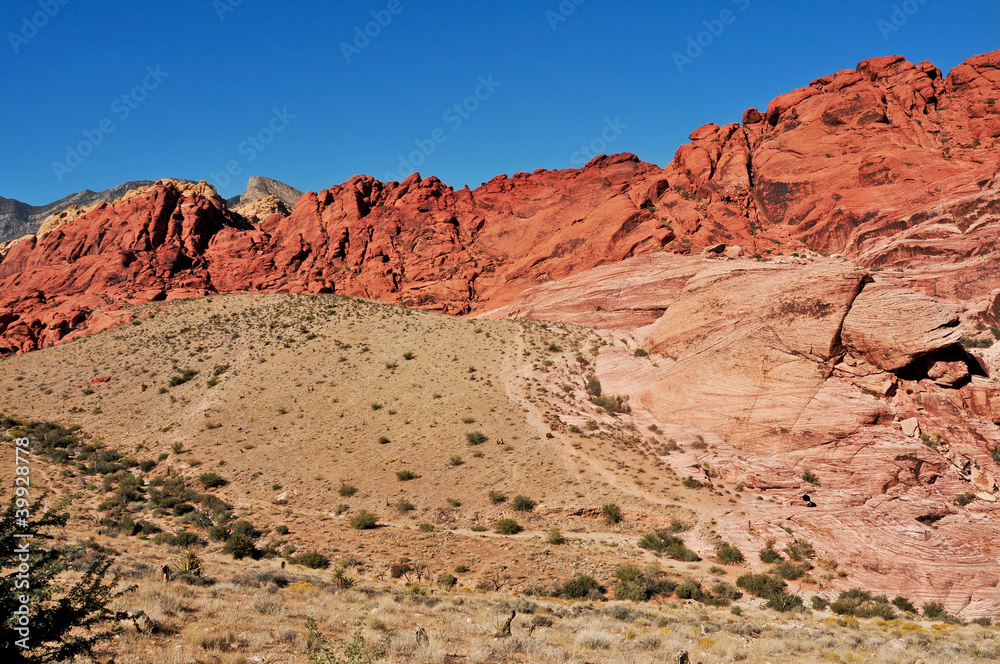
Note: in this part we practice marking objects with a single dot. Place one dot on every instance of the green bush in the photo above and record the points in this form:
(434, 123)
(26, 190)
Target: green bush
(769, 555)
(904, 604)
(593, 386)
(347, 490)
(364, 520)
(406, 475)
(448, 581)
(637, 586)
(507, 527)
(310, 559)
(673, 547)
(496, 497)
(692, 483)
(641, 352)
(862, 604)
(810, 476)
(790, 571)
(240, 546)
(182, 377)
(785, 602)
(729, 554)
(800, 549)
(612, 513)
(476, 437)
(404, 505)
(934, 611)
(212, 480)
(965, 499)
(523, 503)
(819, 603)
(613, 404)
(761, 585)
(582, 586)
(555, 537)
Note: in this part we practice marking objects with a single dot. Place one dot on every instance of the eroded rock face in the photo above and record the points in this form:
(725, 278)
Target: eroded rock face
(891, 327)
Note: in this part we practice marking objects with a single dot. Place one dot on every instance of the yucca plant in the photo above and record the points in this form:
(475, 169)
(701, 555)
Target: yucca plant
(188, 561)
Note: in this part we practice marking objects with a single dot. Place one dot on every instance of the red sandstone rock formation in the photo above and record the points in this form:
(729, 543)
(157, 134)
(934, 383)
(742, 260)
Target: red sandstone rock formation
(890, 164)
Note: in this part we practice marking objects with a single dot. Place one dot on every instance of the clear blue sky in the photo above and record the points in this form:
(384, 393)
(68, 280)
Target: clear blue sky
(560, 81)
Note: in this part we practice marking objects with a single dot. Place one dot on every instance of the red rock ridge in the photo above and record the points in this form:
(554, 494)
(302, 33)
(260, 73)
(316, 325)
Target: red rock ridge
(890, 164)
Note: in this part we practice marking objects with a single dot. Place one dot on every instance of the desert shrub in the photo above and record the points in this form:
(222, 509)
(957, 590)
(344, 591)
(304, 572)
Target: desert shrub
(904, 604)
(347, 490)
(726, 591)
(692, 483)
(182, 377)
(593, 386)
(641, 352)
(612, 513)
(582, 586)
(819, 603)
(496, 497)
(969, 342)
(862, 604)
(456, 460)
(382, 440)
(729, 554)
(357, 651)
(785, 602)
(965, 498)
(811, 477)
(637, 586)
(425, 527)
(212, 480)
(761, 585)
(364, 520)
(400, 569)
(311, 559)
(507, 527)
(800, 549)
(404, 505)
(523, 503)
(406, 475)
(934, 611)
(476, 437)
(699, 443)
(613, 404)
(448, 581)
(240, 546)
(790, 571)
(673, 547)
(769, 555)
(555, 537)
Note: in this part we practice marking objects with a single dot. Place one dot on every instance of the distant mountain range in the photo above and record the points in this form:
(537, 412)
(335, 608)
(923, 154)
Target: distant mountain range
(18, 219)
